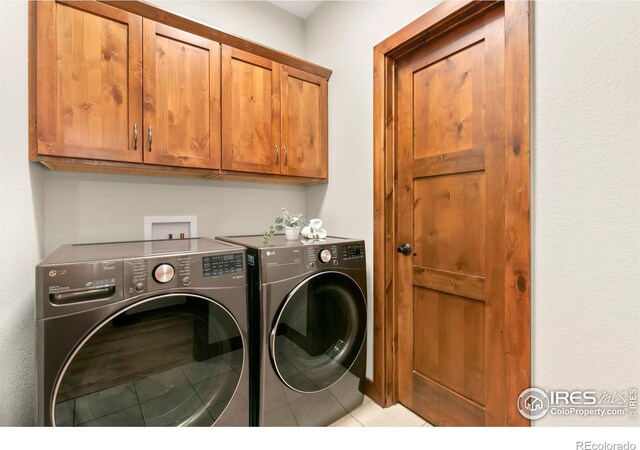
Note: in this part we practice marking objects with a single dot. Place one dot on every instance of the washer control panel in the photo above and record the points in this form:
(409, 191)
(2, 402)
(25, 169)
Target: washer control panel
(353, 251)
(320, 256)
(181, 271)
(221, 264)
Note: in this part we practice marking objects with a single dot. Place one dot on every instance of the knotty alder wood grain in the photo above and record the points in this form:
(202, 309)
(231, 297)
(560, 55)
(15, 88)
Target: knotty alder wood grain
(517, 203)
(89, 80)
(250, 112)
(502, 155)
(87, 106)
(304, 123)
(450, 346)
(181, 98)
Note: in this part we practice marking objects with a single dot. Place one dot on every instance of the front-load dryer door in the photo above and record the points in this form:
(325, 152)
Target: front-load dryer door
(319, 332)
(170, 360)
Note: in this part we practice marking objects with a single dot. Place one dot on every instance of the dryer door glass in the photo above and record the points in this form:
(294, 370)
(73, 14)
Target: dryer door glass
(319, 332)
(172, 360)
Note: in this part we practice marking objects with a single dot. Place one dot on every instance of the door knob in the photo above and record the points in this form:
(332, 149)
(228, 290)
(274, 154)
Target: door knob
(406, 249)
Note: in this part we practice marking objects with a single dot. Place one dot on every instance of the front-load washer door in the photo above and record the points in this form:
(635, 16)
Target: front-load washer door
(319, 332)
(170, 360)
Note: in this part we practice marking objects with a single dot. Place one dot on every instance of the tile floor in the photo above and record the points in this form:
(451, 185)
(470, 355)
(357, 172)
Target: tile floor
(369, 414)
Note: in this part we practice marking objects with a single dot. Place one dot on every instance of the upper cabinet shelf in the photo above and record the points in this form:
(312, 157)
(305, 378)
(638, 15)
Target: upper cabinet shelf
(125, 87)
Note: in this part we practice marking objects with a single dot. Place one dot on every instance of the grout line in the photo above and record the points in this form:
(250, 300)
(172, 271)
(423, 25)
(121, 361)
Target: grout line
(358, 421)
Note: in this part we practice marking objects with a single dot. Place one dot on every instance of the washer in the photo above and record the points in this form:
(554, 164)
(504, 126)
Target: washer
(308, 309)
(143, 334)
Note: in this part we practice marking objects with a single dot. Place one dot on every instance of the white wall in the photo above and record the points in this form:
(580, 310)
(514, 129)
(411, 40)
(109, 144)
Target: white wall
(21, 224)
(103, 208)
(93, 208)
(586, 195)
(586, 199)
(257, 21)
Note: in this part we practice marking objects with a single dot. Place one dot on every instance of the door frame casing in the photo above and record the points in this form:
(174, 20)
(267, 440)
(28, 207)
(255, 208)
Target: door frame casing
(517, 307)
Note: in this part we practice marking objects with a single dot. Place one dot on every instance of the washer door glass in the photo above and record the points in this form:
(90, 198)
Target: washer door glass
(167, 361)
(319, 332)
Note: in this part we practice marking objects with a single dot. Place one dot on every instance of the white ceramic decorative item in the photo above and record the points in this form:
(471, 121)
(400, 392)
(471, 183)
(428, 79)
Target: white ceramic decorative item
(291, 233)
(314, 230)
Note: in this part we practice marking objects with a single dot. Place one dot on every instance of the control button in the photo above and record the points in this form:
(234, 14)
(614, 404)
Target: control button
(312, 265)
(335, 262)
(324, 256)
(139, 287)
(186, 281)
(163, 273)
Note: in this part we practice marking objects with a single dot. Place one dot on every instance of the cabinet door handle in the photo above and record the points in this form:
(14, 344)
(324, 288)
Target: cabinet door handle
(150, 138)
(135, 136)
(277, 156)
(286, 155)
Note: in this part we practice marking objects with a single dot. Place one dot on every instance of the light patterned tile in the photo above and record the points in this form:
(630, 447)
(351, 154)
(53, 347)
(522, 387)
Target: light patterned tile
(427, 424)
(346, 421)
(372, 415)
(366, 400)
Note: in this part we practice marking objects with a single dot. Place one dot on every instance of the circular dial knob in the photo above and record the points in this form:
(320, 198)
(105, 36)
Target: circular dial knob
(163, 273)
(324, 256)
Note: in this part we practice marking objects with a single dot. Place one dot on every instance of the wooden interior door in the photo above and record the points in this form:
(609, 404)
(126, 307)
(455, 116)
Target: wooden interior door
(304, 124)
(181, 98)
(450, 208)
(250, 112)
(89, 81)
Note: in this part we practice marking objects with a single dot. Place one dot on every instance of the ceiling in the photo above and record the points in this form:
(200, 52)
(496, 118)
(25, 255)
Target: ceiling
(302, 9)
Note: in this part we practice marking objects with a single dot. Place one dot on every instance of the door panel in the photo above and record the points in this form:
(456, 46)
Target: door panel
(89, 81)
(450, 329)
(304, 124)
(449, 222)
(181, 98)
(451, 209)
(251, 112)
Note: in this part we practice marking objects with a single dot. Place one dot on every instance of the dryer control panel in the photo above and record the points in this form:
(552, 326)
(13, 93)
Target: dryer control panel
(319, 256)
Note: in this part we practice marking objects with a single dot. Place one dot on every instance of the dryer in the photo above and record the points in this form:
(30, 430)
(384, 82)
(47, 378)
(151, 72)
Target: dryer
(142, 334)
(309, 313)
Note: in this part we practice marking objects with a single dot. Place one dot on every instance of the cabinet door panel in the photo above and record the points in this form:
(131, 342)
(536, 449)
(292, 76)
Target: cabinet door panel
(250, 112)
(304, 124)
(181, 98)
(88, 81)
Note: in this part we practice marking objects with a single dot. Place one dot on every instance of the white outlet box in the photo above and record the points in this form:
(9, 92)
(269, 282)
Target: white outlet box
(170, 227)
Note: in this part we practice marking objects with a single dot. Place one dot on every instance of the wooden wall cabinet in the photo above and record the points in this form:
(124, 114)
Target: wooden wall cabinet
(274, 117)
(125, 87)
(304, 124)
(181, 98)
(89, 82)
